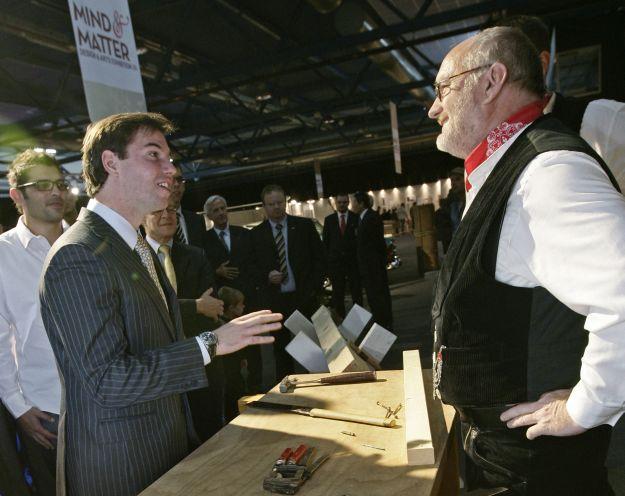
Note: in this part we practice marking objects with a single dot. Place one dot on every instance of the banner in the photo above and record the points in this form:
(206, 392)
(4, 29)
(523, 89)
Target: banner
(395, 133)
(107, 53)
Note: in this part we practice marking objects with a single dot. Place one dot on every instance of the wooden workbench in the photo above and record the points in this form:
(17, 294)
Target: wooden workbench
(237, 458)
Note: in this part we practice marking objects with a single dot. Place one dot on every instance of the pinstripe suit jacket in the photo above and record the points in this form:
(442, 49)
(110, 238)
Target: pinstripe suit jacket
(123, 360)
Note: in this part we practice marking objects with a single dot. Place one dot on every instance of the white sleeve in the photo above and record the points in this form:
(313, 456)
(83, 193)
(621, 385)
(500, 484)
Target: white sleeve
(603, 127)
(576, 224)
(10, 391)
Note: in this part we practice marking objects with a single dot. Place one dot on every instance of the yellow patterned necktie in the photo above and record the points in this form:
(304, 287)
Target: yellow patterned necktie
(168, 265)
(143, 250)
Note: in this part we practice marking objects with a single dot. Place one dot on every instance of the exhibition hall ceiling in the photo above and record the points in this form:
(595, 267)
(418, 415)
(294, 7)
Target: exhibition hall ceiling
(252, 85)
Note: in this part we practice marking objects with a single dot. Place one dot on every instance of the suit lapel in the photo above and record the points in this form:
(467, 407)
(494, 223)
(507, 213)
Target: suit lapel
(292, 240)
(130, 262)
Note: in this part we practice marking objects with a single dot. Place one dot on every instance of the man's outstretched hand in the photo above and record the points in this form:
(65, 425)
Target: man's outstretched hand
(247, 330)
(547, 416)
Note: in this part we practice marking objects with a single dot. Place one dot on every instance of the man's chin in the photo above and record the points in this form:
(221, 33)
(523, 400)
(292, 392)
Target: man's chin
(444, 145)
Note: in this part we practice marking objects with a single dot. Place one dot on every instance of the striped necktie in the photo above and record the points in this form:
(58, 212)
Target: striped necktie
(168, 265)
(180, 236)
(281, 247)
(145, 254)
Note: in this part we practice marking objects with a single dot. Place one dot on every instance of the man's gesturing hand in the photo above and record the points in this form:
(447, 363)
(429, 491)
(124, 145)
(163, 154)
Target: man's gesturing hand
(547, 416)
(246, 330)
(30, 422)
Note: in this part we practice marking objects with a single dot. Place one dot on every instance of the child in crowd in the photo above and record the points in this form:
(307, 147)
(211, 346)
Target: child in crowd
(235, 364)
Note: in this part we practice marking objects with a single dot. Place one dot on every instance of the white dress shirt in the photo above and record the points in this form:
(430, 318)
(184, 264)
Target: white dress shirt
(28, 373)
(564, 230)
(603, 128)
(128, 233)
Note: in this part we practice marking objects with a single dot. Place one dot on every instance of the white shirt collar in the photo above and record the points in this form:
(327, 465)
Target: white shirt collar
(226, 230)
(25, 235)
(155, 244)
(116, 221)
(283, 223)
(362, 214)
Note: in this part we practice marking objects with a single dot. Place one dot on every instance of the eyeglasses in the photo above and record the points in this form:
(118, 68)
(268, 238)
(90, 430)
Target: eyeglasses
(441, 87)
(47, 185)
(169, 210)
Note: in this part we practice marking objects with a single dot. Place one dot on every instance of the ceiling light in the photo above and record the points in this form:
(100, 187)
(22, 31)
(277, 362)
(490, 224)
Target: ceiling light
(263, 97)
(38, 149)
(74, 190)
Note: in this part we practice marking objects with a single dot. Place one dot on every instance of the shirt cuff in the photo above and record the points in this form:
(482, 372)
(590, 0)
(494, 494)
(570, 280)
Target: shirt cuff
(205, 355)
(16, 404)
(587, 412)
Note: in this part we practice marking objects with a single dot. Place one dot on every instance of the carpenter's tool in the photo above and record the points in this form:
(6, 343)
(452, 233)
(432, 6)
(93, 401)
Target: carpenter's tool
(289, 383)
(288, 478)
(328, 414)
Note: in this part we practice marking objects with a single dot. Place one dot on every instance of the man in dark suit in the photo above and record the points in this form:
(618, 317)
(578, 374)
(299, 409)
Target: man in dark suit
(192, 278)
(191, 228)
(114, 323)
(339, 239)
(229, 251)
(371, 249)
(289, 266)
(228, 248)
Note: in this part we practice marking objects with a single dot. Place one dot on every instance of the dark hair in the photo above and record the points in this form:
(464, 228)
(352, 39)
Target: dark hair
(114, 133)
(271, 188)
(230, 296)
(513, 49)
(533, 27)
(364, 198)
(18, 169)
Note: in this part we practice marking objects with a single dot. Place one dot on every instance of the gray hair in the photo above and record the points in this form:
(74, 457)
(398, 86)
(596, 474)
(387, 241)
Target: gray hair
(512, 48)
(210, 200)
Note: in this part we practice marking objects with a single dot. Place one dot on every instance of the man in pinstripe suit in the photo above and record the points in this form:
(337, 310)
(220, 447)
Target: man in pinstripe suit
(114, 322)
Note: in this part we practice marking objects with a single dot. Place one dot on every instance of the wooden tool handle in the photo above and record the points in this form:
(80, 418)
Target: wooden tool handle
(350, 377)
(350, 417)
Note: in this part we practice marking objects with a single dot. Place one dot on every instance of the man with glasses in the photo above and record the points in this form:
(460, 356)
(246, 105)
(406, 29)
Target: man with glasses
(191, 227)
(532, 281)
(29, 381)
(192, 277)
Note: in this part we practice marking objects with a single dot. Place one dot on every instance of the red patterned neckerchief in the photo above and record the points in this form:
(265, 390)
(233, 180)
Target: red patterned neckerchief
(502, 133)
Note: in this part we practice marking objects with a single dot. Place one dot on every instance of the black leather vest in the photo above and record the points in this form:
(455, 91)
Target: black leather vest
(494, 343)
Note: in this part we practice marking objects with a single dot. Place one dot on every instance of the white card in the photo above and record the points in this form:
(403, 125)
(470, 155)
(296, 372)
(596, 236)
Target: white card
(298, 323)
(307, 353)
(354, 323)
(377, 342)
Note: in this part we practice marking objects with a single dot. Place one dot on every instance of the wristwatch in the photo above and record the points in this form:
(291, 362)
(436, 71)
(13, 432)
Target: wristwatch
(210, 341)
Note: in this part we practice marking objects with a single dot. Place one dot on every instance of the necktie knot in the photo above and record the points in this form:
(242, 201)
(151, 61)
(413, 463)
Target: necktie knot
(278, 227)
(164, 249)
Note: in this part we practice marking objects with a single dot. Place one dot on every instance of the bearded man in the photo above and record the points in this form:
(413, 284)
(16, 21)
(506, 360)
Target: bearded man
(529, 312)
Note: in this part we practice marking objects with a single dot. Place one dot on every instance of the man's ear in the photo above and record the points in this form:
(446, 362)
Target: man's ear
(545, 58)
(110, 161)
(17, 196)
(496, 77)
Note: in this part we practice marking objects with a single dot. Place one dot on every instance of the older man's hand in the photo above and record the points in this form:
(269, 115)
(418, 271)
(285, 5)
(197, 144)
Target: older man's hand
(209, 306)
(547, 416)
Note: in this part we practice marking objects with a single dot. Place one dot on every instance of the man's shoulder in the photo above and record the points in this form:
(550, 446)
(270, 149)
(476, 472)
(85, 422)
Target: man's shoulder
(189, 250)
(330, 217)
